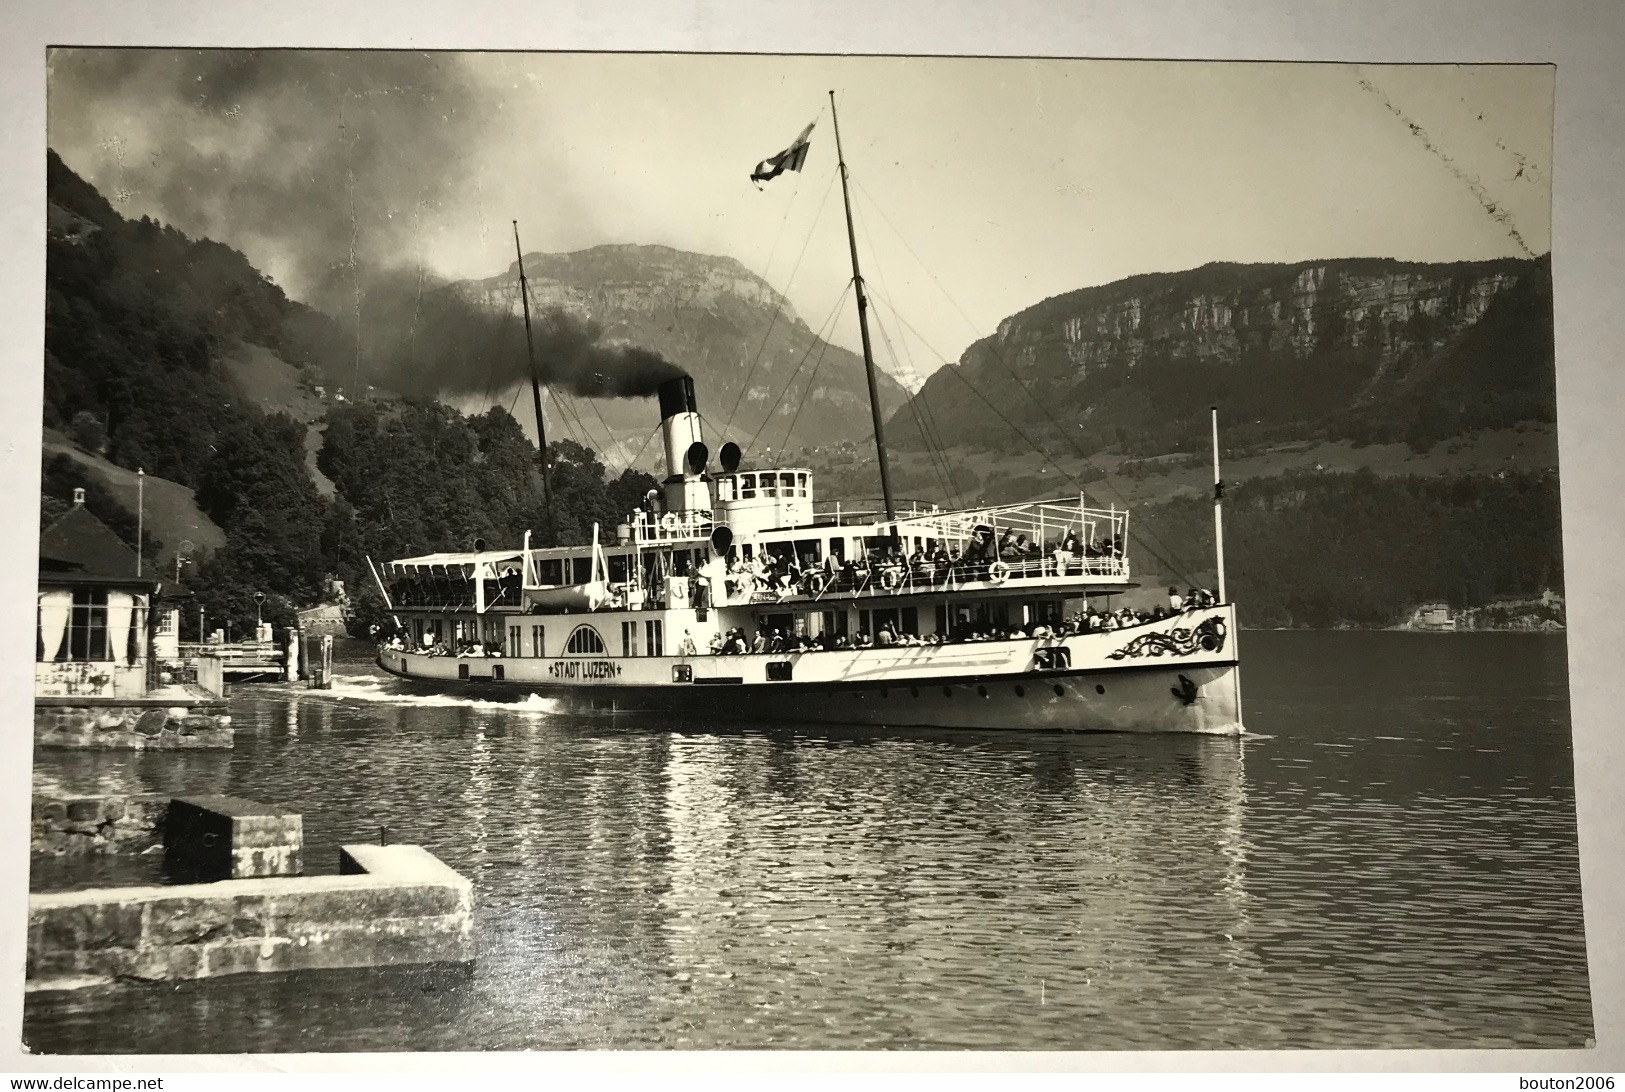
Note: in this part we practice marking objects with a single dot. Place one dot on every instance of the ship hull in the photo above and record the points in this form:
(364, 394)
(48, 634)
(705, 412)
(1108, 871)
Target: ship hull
(1166, 677)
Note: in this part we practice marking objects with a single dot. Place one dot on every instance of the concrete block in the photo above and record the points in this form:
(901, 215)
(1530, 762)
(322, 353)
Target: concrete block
(394, 905)
(211, 838)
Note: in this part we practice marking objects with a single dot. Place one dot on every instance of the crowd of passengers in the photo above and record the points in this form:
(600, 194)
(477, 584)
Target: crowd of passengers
(431, 645)
(891, 568)
(736, 642)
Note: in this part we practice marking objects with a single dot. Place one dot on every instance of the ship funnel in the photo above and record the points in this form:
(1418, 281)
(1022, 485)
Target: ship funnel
(730, 455)
(686, 454)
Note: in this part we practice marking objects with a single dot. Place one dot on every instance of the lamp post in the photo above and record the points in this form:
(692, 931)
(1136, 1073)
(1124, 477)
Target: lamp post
(259, 619)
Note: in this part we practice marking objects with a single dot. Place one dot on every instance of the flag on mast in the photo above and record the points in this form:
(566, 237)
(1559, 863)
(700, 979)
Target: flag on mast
(790, 159)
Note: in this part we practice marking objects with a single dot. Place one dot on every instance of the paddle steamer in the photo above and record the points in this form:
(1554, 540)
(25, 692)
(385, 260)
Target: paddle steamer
(878, 618)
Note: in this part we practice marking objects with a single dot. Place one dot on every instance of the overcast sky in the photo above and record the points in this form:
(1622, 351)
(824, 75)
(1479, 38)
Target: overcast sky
(981, 186)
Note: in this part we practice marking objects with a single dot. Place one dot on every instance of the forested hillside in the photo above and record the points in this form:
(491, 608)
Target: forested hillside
(1322, 550)
(142, 324)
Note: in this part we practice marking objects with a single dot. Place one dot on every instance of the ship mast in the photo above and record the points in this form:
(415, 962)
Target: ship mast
(863, 323)
(535, 390)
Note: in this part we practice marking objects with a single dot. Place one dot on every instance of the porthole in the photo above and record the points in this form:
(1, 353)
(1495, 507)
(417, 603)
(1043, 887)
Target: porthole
(1021, 692)
(1059, 691)
(1099, 689)
(982, 690)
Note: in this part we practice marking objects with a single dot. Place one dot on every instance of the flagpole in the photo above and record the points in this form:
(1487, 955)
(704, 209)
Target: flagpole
(140, 515)
(535, 390)
(863, 323)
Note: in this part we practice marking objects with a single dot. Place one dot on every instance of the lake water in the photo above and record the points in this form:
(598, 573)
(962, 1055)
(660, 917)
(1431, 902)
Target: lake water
(1389, 861)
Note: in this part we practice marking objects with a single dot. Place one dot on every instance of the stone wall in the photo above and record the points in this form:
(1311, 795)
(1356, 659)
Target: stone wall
(393, 905)
(131, 726)
(98, 824)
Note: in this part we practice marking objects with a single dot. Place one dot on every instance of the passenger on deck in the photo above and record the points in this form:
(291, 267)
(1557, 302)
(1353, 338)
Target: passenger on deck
(760, 644)
(718, 643)
(686, 648)
(1175, 603)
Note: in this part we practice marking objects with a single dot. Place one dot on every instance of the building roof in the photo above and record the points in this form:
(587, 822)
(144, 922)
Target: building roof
(79, 547)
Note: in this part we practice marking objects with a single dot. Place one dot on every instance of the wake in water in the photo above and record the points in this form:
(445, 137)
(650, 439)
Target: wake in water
(385, 691)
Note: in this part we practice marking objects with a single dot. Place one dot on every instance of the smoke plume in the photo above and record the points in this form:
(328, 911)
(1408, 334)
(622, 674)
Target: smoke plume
(326, 169)
(420, 335)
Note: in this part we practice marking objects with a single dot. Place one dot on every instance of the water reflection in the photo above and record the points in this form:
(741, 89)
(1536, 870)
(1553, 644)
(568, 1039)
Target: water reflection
(645, 885)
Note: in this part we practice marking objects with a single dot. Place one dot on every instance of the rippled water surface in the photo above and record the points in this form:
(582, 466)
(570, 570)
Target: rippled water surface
(1389, 861)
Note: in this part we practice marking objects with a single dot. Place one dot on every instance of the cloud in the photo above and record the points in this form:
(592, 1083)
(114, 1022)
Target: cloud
(319, 165)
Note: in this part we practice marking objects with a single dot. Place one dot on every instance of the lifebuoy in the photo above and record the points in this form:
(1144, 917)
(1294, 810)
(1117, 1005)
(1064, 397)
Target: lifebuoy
(670, 521)
(813, 583)
(890, 578)
(998, 572)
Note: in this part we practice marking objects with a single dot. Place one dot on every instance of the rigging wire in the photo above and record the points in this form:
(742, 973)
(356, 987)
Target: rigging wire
(778, 308)
(944, 477)
(641, 449)
(818, 339)
(1146, 538)
(1146, 542)
(936, 450)
(805, 391)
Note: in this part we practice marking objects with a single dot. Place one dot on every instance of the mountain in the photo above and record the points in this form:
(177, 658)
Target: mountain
(714, 318)
(1365, 349)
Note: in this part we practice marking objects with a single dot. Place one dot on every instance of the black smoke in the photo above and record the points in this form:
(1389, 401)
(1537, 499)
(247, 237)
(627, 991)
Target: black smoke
(327, 167)
(421, 335)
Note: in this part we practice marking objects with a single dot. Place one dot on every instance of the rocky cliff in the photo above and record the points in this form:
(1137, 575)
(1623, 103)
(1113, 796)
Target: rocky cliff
(1365, 349)
(714, 318)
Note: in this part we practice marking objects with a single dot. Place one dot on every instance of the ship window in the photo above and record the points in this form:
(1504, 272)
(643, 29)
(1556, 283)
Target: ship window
(581, 570)
(551, 570)
(584, 641)
(747, 486)
(725, 489)
(629, 638)
(618, 566)
(801, 484)
(538, 640)
(770, 485)
(655, 632)
(788, 481)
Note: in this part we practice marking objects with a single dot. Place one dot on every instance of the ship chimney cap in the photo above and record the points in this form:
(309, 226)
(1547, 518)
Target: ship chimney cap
(78, 497)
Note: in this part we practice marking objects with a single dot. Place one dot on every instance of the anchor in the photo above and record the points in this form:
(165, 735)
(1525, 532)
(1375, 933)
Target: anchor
(1186, 690)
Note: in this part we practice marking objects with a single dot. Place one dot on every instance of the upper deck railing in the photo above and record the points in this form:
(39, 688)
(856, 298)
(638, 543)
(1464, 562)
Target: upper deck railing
(669, 527)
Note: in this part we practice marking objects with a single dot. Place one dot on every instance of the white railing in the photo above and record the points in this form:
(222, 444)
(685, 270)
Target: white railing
(672, 526)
